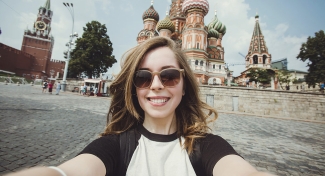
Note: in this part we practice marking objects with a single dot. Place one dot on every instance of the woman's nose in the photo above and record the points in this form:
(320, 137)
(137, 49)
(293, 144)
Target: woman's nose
(156, 83)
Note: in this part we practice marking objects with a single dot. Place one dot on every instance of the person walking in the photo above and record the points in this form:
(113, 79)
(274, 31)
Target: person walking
(44, 87)
(58, 88)
(50, 87)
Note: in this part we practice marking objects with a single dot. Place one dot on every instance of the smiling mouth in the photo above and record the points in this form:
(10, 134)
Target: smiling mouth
(158, 100)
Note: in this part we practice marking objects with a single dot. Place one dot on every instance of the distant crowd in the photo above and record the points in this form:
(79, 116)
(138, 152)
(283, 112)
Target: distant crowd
(47, 86)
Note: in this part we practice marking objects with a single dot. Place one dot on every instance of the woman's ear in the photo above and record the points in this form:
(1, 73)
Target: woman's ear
(183, 92)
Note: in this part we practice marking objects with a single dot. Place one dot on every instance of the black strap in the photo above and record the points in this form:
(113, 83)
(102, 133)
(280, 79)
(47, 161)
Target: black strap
(128, 143)
(196, 160)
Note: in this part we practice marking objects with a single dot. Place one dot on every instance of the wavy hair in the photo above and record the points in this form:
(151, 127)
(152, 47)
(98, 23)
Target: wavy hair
(125, 111)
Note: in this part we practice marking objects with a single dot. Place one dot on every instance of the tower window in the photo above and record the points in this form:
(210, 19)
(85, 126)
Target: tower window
(264, 59)
(213, 66)
(198, 46)
(196, 62)
(255, 59)
(219, 67)
(201, 63)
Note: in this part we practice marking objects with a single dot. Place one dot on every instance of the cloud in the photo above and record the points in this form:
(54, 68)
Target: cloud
(104, 3)
(126, 7)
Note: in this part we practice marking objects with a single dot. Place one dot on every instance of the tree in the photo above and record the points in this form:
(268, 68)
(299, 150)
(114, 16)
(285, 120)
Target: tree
(314, 51)
(260, 75)
(284, 77)
(93, 52)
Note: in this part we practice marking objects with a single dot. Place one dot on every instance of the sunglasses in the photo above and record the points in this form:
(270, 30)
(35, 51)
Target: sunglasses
(168, 77)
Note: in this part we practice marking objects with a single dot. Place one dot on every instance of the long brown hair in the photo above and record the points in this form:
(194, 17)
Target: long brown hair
(125, 111)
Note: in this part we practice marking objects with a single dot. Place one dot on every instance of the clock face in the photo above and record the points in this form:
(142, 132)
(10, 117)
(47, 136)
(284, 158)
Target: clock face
(40, 25)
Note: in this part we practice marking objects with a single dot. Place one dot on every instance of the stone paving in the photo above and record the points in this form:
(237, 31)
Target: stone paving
(43, 130)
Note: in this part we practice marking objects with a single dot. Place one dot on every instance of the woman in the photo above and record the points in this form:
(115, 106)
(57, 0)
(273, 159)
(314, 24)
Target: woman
(58, 88)
(44, 87)
(156, 124)
(50, 87)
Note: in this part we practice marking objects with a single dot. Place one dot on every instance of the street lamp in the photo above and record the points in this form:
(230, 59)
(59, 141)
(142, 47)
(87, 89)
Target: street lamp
(69, 6)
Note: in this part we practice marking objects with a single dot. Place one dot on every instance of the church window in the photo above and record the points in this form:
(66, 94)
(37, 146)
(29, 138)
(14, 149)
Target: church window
(219, 67)
(197, 45)
(201, 63)
(214, 66)
(264, 59)
(255, 59)
(196, 62)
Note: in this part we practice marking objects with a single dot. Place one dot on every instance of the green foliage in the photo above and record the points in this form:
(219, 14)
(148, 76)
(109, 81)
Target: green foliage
(260, 75)
(93, 52)
(284, 77)
(313, 51)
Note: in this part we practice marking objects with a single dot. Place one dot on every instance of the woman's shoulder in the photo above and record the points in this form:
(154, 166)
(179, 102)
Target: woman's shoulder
(208, 137)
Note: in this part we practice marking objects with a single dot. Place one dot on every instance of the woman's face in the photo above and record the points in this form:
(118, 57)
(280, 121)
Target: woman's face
(159, 101)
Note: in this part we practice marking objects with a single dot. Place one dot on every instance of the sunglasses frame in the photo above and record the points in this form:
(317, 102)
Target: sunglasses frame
(153, 74)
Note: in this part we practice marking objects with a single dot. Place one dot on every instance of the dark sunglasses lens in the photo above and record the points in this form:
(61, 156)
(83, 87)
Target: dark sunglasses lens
(142, 79)
(170, 77)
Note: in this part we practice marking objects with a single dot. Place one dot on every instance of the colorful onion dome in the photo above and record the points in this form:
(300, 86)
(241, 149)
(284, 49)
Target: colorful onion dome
(195, 4)
(150, 13)
(213, 33)
(148, 33)
(217, 25)
(166, 24)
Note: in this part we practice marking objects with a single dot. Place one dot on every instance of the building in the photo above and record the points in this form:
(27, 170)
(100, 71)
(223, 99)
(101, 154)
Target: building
(36, 50)
(184, 23)
(258, 57)
(281, 64)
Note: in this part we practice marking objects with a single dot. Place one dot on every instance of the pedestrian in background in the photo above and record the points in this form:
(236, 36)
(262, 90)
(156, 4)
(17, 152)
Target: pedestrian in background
(44, 87)
(58, 88)
(322, 86)
(156, 124)
(50, 87)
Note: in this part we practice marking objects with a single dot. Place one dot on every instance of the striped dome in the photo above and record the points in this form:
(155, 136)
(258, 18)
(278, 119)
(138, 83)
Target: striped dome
(213, 33)
(150, 13)
(166, 24)
(217, 25)
(196, 4)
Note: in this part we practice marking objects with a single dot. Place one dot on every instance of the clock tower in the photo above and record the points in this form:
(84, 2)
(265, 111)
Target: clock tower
(39, 42)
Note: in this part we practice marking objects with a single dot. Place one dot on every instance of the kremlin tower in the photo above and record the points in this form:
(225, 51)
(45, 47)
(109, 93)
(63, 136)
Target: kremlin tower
(39, 43)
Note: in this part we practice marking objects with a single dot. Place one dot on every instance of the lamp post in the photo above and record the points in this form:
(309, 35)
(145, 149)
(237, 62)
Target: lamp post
(69, 6)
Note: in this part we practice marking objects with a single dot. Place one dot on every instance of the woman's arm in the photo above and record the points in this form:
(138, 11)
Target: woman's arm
(82, 165)
(234, 165)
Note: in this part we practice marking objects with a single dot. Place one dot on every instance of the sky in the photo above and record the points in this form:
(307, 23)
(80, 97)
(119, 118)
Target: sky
(285, 24)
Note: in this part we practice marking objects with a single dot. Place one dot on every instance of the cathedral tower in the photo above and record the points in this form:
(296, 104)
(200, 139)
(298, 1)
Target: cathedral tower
(216, 62)
(178, 18)
(165, 27)
(150, 18)
(258, 55)
(194, 37)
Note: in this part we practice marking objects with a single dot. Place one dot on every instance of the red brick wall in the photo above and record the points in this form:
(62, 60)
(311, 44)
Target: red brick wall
(14, 60)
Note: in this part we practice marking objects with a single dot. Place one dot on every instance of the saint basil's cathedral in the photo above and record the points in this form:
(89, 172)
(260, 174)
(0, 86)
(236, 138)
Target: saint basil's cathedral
(185, 25)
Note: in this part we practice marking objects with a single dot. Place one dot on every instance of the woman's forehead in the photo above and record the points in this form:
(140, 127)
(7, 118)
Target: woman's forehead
(159, 58)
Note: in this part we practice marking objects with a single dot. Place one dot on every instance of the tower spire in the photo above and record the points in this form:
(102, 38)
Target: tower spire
(47, 4)
(258, 55)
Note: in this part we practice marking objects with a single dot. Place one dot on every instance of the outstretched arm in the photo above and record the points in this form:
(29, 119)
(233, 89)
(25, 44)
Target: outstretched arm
(234, 165)
(82, 165)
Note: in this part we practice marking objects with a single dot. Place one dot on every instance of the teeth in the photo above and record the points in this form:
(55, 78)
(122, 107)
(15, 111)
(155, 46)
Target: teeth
(158, 100)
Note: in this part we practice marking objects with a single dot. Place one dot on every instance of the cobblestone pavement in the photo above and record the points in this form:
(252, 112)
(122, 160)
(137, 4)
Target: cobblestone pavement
(42, 129)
